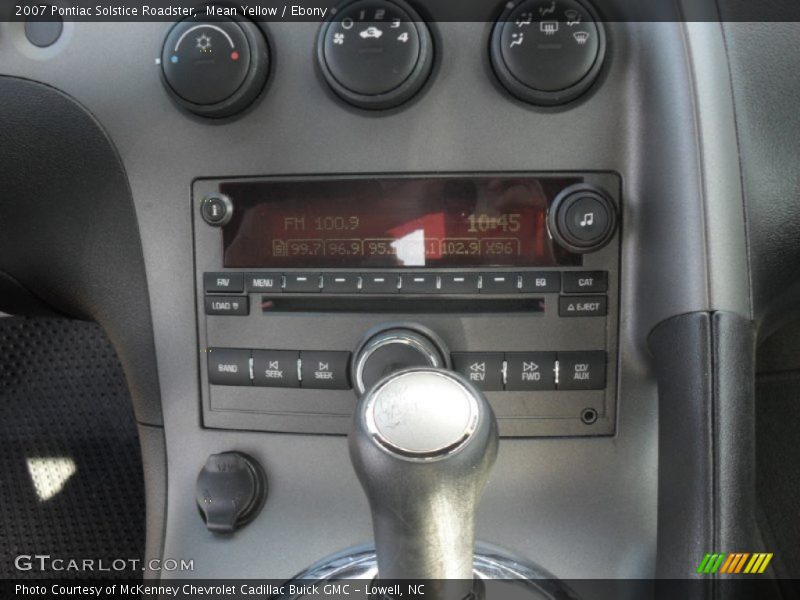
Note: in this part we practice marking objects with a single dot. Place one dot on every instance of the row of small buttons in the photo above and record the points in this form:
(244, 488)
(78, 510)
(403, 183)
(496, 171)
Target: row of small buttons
(311, 369)
(408, 283)
(523, 371)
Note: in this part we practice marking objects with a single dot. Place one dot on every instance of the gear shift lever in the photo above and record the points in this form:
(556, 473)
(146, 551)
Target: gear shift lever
(423, 443)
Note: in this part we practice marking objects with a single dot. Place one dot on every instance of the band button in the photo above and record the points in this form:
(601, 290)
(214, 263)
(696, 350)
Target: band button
(228, 366)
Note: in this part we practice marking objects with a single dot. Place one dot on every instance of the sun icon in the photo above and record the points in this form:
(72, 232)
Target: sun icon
(204, 43)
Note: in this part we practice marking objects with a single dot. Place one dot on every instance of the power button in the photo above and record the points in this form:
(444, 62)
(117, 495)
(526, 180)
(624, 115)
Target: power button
(216, 209)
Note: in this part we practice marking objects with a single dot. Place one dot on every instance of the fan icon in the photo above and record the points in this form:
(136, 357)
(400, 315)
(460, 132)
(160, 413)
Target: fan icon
(204, 43)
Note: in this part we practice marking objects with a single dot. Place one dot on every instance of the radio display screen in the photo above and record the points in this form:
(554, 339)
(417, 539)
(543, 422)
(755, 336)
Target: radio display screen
(431, 222)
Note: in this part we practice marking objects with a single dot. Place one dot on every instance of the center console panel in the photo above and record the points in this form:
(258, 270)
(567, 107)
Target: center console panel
(516, 275)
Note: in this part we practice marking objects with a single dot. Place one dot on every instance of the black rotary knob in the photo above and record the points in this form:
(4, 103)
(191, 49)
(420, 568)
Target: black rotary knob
(215, 68)
(394, 348)
(547, 51)
(375, 53)
(582, 218)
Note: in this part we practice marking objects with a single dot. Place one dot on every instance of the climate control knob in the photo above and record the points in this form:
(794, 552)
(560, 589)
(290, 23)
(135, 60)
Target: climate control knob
(214, 68)
(547, 51)
(375, 54)
(394, 348)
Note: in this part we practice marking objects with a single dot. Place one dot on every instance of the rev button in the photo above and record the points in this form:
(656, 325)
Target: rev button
(582, 306)
(275, 368)
(482, 369)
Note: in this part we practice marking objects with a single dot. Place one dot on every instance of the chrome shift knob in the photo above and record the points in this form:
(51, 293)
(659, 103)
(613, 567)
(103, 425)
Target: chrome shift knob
(423, 443)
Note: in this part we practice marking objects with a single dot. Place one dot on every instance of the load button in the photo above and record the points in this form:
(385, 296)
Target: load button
(582, 306)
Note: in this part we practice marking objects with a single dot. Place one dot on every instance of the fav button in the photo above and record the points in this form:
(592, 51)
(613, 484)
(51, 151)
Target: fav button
(482, 369)
(582, 306)
(530, 371)
(223, 282)
(275, 368)
(228, 366)
(325, 370)
(585, 281)
(582, 370)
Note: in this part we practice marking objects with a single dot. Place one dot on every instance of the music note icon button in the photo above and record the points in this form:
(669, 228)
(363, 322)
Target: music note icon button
(587, 219)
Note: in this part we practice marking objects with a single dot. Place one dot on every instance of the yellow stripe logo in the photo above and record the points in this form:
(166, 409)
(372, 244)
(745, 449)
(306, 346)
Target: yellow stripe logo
(735, 563)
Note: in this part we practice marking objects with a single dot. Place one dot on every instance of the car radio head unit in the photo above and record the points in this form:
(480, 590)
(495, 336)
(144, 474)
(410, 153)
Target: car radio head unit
(310, 287)
(431, 222)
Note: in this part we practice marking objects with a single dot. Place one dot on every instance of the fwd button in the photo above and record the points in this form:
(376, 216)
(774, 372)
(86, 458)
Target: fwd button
(530, 371)
(483, 369)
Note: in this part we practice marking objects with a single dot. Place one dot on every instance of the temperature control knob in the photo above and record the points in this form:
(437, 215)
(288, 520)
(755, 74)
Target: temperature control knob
(215, 68)
(547, 51)
(375, 53)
